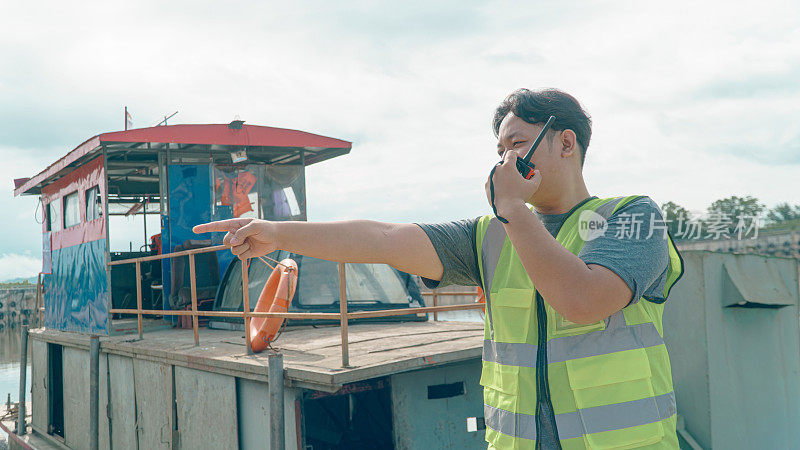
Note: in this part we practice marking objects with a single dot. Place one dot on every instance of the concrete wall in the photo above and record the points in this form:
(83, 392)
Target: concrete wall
(685, 335)
(731, 328)
(17, 303)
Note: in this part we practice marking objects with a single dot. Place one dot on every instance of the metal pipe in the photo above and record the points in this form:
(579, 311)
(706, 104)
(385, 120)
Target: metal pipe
(246, 304)
(144, 220)
(441, 294)
(169, 255)
(193, 283)
(277, 433)
(137, 178)
(39, 295)
(23, 374)
(139, 299)
(94, 392)
(343, 313)
(149, 213)
(435, 303)
(318, 316)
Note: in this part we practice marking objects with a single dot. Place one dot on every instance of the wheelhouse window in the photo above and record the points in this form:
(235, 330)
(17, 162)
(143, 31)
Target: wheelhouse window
(366, 283)
(236, 190)
(72, 212)
(93, 203)
(283, 195)
(54, 216)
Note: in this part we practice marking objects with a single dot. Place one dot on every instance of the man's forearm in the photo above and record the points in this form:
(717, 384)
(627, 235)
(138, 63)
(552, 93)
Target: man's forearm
(356, 241)
(403, 246)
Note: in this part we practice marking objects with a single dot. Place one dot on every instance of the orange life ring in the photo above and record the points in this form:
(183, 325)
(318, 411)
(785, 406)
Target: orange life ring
(275, 297)
(481, 298)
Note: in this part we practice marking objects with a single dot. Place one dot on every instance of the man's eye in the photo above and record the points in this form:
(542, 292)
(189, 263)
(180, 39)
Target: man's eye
(516, 143)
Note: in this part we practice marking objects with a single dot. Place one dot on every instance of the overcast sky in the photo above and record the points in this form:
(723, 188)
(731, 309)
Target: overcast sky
(691, 101)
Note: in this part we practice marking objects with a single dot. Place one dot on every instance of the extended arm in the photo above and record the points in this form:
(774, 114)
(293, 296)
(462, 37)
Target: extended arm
(403, 246)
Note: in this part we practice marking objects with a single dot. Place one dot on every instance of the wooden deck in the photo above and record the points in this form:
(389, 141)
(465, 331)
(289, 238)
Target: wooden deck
(312, 355)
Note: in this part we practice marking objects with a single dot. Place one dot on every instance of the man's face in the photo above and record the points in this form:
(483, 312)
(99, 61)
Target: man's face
(517, 136)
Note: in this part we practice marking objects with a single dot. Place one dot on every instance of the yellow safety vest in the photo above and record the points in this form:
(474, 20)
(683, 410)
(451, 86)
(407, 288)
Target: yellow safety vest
(607, 384)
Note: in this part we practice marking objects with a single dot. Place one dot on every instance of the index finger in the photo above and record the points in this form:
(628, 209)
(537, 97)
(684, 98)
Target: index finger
(510, 156)
(229, 225)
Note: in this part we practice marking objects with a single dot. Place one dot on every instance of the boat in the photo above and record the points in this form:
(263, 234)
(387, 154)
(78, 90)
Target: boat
(148, 346)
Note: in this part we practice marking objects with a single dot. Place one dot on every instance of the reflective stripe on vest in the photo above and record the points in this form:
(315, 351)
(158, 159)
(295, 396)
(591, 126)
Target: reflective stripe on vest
(597, 419)
(613, 341)
(560, 349)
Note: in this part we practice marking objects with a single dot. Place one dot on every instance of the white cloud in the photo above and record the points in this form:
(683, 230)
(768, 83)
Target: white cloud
(15, 265)
(692, 101)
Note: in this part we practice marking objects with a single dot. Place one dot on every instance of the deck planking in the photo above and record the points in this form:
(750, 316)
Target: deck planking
(312, 355)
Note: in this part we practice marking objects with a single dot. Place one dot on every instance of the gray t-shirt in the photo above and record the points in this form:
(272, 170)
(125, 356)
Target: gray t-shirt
(634, 246)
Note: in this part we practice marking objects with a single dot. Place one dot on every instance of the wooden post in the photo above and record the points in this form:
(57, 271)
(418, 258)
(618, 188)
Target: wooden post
(23, 373)
(435, 303)
(193, 284)
(246, 303)
(343, 314)
(139, 297)
(277, 426)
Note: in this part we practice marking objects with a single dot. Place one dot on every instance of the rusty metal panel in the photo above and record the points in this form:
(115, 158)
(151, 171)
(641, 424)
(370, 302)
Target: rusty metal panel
(253, 408)
(76, 397)
(119, 371)
(40, 418)
(153, 386)
(206, 405)
(424, 423)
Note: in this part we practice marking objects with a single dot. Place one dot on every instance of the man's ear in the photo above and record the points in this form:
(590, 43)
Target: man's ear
(568, 143)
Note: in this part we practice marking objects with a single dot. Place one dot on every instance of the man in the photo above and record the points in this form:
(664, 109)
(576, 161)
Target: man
(573, 353)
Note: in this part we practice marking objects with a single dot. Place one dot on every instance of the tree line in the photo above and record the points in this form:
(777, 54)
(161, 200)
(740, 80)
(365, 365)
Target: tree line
(727, 218)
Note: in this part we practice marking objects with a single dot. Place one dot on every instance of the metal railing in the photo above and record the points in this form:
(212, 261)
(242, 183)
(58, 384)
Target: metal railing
(343, 315)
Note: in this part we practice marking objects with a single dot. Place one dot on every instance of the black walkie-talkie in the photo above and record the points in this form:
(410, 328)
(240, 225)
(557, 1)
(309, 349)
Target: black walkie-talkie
(524, 165)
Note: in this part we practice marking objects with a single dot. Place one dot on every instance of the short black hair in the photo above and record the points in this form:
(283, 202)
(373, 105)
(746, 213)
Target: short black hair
(538, 106)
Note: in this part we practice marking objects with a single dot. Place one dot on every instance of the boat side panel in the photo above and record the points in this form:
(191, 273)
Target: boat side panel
(116, 373)
(153, 386)
(253, 407)
(206, 405)
(76, 397)
(39, 384)
(76, 289)
(423, 423)
(76, 293)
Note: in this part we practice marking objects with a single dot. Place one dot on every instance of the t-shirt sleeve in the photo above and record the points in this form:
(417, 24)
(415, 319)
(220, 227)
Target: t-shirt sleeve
(634, 246)
(454, 243)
